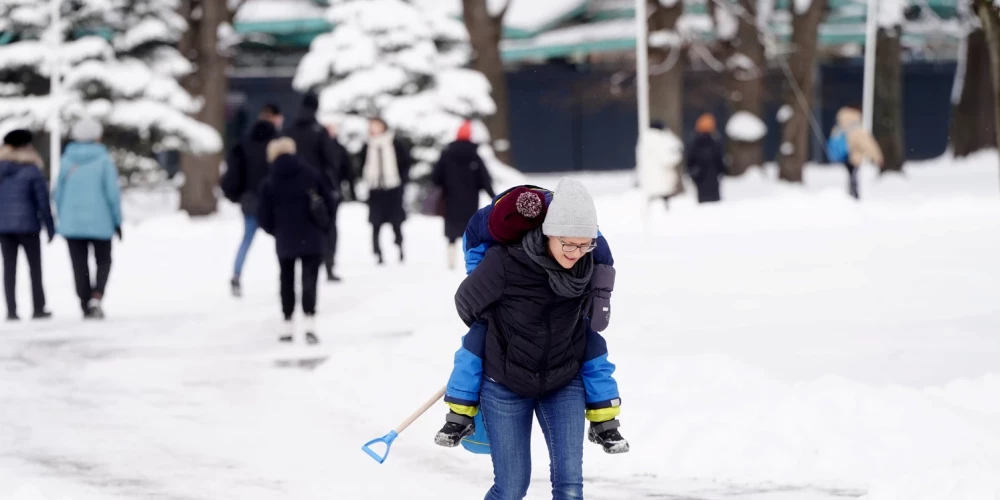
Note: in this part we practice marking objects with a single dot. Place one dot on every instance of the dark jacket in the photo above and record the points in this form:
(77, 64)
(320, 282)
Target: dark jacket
(536, 340)
(314, 146)
(24, 194)
(385, 206)
(705, 158)
(461, 173)
(247, 167)
(284, 208)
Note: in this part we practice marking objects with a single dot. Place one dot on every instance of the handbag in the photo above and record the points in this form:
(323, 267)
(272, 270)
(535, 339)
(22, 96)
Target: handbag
(433, 204)
(318, 210)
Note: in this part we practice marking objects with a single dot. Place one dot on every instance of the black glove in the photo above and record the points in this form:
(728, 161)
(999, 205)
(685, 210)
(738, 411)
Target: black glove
(118, 231)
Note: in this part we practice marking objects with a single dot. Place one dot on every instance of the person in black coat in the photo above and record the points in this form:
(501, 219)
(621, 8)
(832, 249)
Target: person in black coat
(247, 167)
(386, 170)
(287, 202)
(706, 160)
(316, 147)
(461, 174)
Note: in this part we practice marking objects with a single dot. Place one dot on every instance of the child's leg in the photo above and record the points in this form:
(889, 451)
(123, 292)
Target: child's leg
(462, 394)
(603, 401)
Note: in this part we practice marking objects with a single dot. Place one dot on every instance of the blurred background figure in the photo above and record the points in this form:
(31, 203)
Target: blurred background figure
(386, 167)
(247, 168)
(706, 159)
(342, 178)
(660, 154)
(88, 206)
(851, 145)
(461, 175)
(24, 207)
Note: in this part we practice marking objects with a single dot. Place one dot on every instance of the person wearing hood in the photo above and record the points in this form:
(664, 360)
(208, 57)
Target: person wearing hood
(461, 174)
(295, 207)
(659, 154)
(316, 147)
(706, 159)
(386, 171)
(24, 208)
(88, 205)
(247, 167)
(851, 145)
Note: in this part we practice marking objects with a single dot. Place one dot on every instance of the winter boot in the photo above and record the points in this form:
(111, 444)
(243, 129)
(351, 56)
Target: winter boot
(332, 278)
(606, 434)
(401, 257)
(41, 315)
(12, 317)
(310, 327)
(94, 310)
(287, 331)
(234, 285)
(380, 261)
(456, 428)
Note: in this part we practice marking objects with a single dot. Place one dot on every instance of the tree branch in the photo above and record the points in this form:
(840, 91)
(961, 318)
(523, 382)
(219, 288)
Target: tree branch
(498, 19)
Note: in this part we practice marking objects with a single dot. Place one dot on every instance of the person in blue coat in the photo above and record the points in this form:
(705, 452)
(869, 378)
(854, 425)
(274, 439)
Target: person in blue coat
(296, 208)
(24, 207)
(88, 207)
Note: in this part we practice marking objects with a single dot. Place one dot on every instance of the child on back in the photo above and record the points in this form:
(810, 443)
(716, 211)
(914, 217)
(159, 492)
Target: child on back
(513, 214)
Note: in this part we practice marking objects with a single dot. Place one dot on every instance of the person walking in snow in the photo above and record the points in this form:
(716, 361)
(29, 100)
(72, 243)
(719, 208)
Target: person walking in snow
(247, 167)
(461, 174)
(539, 285)
(706, 159)
(296, 208)
(317, 148)
(24, 207)
(88, 206)
(386, 170)
(851, 145)
(659, 155)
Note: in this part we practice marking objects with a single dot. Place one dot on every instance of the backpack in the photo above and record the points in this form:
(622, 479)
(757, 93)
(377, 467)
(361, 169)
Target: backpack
(318, 210)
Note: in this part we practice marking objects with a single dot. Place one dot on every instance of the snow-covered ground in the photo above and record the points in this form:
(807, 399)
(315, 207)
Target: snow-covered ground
(786, 344)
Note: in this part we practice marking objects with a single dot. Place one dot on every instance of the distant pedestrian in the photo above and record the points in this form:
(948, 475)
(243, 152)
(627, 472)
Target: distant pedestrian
(851, 145)
(658, 158)
(461, 174)
(296, 207)
(88, 205)
(24, 207)
(706, 160)
(318, 149)
(247, 168)
(342, 178)
(386, 171)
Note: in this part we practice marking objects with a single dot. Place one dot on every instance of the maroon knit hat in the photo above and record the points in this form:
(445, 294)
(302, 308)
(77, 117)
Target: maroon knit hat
(516, 213)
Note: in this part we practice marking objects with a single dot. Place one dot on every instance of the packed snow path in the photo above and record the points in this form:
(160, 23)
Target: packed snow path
(787, 344)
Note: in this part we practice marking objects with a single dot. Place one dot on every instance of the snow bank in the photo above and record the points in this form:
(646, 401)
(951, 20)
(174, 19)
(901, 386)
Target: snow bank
(746, 127)
(278, 10)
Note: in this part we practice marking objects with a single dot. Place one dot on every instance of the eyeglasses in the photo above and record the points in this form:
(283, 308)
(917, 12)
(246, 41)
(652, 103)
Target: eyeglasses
(570, 247)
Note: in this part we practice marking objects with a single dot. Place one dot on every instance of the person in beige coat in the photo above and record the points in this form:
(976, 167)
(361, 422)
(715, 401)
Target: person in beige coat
(851, 144)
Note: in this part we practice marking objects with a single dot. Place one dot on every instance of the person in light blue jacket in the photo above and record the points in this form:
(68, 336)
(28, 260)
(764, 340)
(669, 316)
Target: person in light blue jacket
(88, 206)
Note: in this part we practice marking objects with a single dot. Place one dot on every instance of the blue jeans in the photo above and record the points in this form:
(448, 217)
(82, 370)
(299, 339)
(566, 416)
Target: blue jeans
(507, 417)
(249, 230)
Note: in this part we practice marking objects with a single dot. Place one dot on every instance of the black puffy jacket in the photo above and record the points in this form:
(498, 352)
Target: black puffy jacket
(536, 339)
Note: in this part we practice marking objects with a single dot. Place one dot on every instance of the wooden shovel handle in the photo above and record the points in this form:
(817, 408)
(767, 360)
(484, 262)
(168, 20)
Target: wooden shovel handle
(420, 411)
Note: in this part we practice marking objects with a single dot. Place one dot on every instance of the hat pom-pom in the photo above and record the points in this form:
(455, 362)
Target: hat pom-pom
(529, 204)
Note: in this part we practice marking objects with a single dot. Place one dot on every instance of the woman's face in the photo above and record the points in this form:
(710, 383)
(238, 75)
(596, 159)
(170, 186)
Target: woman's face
(568, 251)
(375, 128)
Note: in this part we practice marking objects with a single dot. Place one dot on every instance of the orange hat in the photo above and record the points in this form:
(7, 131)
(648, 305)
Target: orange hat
(465, 131)
(705, 124)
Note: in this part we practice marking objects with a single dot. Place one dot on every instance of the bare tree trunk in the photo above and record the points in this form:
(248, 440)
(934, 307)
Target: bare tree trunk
(485, 32)
(666, 74)
(973, 116)
(990, 16)
(795, 132)
(210, 82)
(888, 113)
(747, 69)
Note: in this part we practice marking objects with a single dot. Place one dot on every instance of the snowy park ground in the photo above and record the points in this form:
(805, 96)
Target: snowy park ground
(786, 344)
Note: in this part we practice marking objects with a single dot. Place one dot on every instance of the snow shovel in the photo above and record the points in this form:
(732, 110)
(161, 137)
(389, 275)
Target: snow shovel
(393, 434)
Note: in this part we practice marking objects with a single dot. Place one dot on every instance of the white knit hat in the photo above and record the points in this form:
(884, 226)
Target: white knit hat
(571, 213)
(87, 130)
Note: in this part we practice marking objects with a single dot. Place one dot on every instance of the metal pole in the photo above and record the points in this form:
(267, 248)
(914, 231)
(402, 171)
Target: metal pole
(642, 66)
(871, 36)
(55, 90)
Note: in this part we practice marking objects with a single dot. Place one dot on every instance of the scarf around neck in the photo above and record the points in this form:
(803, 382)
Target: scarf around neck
(569, 283)
(381, 170)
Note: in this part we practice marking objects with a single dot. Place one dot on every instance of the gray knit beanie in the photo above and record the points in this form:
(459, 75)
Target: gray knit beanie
(571, 213)
(87, 130)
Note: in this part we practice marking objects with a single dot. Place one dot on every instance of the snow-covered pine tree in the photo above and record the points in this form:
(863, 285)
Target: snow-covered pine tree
(391, 59)
(119, 65)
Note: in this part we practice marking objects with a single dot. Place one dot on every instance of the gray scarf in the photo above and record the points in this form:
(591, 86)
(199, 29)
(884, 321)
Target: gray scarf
(565, 282)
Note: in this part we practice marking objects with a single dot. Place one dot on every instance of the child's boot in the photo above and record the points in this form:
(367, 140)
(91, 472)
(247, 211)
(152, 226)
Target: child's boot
(456, 428)
(606, 434)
